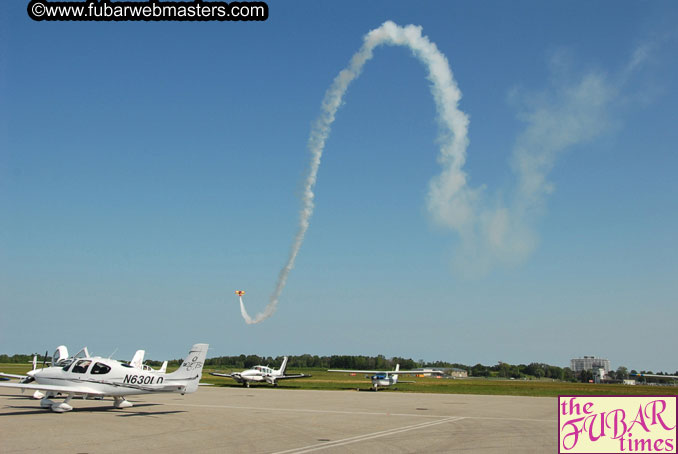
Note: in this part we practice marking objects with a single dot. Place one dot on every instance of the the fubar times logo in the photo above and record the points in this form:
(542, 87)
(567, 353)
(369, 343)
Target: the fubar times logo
(617, 424)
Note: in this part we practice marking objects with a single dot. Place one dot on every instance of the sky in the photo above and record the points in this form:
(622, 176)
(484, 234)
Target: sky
(150, 169)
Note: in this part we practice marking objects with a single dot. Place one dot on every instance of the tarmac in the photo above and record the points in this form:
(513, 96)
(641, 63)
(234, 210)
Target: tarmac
(283, 421)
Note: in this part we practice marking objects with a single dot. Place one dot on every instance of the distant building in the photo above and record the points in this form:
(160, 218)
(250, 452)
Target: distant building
(458, 373)
(589, 363)
(429, 371)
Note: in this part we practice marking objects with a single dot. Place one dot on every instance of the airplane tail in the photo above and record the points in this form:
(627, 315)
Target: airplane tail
(138, 359)
(395, 376)
(163, 368)
(283, 367)
(191, 369)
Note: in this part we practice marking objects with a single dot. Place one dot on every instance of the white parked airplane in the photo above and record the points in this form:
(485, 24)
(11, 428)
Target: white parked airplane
(60, 358)
(382, 378)
(261, 374)
(101, 377)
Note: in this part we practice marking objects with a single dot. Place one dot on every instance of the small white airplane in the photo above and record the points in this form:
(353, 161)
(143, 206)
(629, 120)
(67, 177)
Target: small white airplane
(96, 377)
(381, 378)
(261, 374)
(60, 358)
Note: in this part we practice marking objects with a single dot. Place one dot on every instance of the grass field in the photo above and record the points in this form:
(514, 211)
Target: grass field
(323, 380)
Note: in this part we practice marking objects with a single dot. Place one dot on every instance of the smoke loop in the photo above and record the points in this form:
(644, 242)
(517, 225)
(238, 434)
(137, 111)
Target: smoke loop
(449, 198)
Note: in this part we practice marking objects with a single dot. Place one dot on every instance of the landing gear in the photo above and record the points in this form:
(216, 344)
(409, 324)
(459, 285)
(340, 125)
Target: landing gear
(63, 406)
(38, 395)
(246, 384)
(121, 402)
(58, 407)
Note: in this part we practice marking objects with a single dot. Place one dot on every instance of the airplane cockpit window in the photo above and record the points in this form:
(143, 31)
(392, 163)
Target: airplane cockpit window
(81, 366)
(100, 369)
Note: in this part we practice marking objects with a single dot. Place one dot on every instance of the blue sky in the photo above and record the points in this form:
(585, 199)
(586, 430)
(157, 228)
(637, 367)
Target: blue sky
(148, 170)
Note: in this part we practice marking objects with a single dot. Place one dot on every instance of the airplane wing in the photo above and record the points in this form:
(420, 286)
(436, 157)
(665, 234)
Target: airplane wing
(359, 371)
(385, 372)
(57, 389)
(84, 389)
(13, 376)
(405, 372)
(645, 375)
(285, 377)
(218, 374)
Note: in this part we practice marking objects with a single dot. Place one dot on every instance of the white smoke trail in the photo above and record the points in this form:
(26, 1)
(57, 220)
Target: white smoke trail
(449, 197)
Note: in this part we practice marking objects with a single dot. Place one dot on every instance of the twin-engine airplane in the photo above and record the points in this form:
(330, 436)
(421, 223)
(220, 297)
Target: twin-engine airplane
(96, 377)
(381, 378)
(261, 374)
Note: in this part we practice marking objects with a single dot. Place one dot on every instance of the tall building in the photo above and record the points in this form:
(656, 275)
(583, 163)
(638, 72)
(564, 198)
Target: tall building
(589, 363)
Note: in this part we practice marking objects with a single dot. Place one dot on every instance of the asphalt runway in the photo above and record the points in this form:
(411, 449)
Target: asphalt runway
(277, 420)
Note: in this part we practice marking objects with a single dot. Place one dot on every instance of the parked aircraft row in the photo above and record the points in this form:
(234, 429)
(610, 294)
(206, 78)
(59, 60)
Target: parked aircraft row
(96, 377)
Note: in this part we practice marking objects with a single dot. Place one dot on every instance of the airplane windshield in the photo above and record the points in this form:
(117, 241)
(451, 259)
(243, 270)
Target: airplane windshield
(81, 366)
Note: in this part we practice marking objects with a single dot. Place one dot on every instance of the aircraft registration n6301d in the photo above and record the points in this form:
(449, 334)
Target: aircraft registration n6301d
(97, 377)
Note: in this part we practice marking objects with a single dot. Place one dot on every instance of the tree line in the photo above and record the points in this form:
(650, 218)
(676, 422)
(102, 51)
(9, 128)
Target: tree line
(380, 362)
